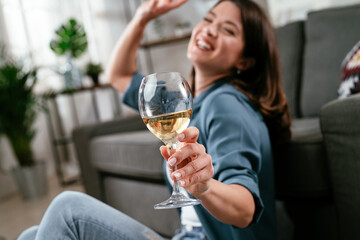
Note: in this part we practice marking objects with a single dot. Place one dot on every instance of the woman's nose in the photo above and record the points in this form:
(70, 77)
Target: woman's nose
(212, 30)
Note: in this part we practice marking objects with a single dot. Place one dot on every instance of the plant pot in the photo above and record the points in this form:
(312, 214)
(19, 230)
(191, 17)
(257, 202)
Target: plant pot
(72, 75)
(31, 181)
(95, 79)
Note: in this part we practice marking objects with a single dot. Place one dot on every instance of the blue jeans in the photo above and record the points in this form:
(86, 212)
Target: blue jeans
(77, 216)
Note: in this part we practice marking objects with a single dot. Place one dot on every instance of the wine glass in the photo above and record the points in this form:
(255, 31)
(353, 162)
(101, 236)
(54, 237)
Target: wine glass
(165, 105)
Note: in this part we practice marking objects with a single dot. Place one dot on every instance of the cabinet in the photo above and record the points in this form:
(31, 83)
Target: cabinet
(72, 109)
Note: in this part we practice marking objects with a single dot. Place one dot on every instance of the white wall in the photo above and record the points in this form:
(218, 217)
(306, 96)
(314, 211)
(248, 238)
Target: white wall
(284, 11)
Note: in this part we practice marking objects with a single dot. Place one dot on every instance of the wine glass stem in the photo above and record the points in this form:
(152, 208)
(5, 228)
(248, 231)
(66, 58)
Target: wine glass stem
(176, 184)
(176, 188)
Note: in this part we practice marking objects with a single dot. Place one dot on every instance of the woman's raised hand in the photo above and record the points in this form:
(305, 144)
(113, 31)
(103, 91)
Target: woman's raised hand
(154, 8)
(194, 165)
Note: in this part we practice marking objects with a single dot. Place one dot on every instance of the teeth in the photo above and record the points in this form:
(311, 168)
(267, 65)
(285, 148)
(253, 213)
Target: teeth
(203, 45)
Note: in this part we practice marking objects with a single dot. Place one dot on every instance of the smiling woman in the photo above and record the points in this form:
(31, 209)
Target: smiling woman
(240, 117)
(236, 83)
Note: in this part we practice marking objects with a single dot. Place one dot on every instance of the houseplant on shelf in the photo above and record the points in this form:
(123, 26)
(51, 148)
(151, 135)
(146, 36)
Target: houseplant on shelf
(19, 107)
(70, 41)
(93, 70)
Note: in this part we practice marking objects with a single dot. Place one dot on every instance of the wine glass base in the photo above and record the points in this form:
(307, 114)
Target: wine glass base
(176, 201)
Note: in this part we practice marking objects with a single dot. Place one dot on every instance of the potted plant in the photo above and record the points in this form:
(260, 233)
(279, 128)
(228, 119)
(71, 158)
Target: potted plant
(93, 70)
(19, 107)
(70, 40)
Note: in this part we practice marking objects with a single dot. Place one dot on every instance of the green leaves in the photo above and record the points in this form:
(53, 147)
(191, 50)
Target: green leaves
(93, 69)
(70, 38)
(18, 107)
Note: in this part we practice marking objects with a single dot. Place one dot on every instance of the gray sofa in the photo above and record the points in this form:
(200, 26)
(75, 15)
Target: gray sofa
(306, 174)
(317, 174)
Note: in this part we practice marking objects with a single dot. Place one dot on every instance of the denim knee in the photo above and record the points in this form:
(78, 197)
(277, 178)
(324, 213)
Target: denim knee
(71, 197)
(28, 234)
(70, 205)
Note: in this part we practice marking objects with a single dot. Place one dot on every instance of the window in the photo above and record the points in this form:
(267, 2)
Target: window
(28, 27)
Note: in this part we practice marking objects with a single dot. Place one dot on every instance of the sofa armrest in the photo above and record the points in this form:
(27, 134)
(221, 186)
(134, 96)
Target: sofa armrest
(82, 137)
(340, 126)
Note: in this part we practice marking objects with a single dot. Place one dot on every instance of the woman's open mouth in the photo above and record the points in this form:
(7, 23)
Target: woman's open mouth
(203, 45)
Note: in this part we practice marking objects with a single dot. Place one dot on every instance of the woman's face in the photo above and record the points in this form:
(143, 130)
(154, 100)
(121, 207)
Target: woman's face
(217, 42)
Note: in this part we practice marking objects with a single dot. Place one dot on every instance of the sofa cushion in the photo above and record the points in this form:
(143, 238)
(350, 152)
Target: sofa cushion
(340, 126)
(302, 171)
(329, 36)
(131, 154)
(290, 40)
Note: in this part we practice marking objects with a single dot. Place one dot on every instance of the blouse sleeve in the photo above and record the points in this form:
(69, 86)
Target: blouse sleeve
(233, 141)
(130, 96)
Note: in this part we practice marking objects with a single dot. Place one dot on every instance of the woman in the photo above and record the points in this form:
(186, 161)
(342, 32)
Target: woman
(240, 117)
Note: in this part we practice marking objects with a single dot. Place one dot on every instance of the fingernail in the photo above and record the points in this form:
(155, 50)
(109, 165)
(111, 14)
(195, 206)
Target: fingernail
(177, 175)
(181, 136)
(172, 161)
(182, 183)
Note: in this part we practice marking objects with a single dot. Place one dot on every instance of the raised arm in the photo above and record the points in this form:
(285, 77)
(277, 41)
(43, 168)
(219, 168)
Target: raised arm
(123, 60)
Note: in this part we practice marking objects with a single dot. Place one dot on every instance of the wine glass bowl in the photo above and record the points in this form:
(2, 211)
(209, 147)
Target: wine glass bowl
(165, 105)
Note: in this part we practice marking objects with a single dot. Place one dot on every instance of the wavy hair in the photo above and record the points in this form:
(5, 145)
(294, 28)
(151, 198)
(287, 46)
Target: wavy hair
(261, 83)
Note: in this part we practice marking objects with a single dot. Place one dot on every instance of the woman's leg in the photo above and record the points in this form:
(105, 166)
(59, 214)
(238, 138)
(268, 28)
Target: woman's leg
(29, 234)
(77, 216)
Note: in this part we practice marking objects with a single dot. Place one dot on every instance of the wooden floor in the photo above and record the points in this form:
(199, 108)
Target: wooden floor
(17, 214)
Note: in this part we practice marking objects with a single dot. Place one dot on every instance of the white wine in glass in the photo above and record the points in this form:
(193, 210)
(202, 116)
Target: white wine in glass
(165, 105)
(166, 127)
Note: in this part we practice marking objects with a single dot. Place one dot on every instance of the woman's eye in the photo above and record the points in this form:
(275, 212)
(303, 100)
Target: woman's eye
(207, 19)
(231, 32)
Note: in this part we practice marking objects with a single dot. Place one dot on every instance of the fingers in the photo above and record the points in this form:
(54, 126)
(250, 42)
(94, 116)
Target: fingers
(191, 168)
(189, 152)
(189, 135)
(176, 4)
(154, 8)
(164, 152)
(194, 164)
(153, 3)
(194, 172)
(166, 5)
(196, 178)
(171, 3)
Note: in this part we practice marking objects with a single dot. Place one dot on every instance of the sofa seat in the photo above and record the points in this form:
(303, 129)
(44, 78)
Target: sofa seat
(133, 154)
(305, 173)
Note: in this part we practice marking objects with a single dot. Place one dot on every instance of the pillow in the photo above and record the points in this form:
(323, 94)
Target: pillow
(350, 73)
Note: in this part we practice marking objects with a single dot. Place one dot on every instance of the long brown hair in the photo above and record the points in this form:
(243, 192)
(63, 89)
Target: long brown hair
(262, 83)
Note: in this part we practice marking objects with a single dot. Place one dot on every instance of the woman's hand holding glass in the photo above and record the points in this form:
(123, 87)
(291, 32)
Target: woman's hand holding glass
(194, 165)
(165, 105)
